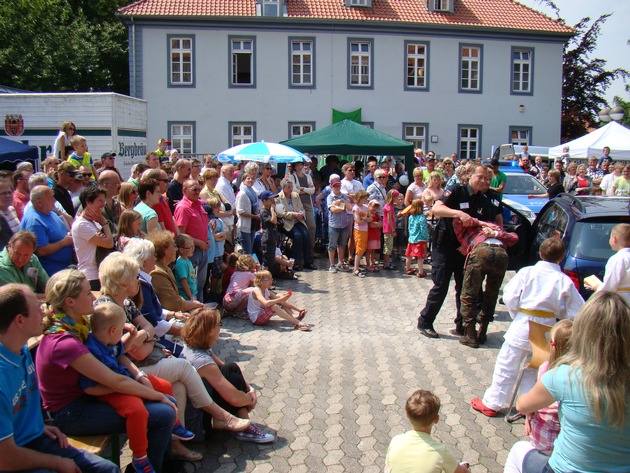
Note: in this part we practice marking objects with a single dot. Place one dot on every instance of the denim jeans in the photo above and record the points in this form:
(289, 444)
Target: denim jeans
(246, 240)
(199, 260)
(87, 462)
(88, 416)
(302, 249)
(337, 237)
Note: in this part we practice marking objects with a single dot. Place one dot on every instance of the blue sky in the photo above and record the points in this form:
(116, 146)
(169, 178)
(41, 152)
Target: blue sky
(613, 40)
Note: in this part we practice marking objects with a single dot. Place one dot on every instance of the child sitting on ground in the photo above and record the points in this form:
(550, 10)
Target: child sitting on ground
(241, 284)
(184, 271)
(263, 303)
(374, 235)
(541, 293)
(542, 426)
(416, 450)
(418, 234)
(104, 342)
(129, 226)
(284, 265)
(361, 219)
(229, 267)
(617, 274)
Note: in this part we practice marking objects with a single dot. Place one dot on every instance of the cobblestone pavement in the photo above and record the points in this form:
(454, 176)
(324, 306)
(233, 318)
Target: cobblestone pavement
(335, 396)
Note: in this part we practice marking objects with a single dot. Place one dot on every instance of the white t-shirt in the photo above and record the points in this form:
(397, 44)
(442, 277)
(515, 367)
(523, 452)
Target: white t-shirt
(82, 232)
(254, 307)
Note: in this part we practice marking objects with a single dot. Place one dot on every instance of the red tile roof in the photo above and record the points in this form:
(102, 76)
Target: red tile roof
(502, 14)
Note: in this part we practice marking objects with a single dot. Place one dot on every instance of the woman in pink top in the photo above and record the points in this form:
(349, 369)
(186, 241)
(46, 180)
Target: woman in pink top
(241, 284)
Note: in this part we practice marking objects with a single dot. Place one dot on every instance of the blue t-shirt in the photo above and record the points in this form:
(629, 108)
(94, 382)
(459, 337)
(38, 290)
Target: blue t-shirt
(48, 229)
(211, 242)
(583, 445)
(20, 404)
(106, 355)
(218, 245)
(337, 219)
(184, 269)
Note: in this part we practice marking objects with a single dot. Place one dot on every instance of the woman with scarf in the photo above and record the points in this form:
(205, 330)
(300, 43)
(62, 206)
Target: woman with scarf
(248, 214)
(62, 358)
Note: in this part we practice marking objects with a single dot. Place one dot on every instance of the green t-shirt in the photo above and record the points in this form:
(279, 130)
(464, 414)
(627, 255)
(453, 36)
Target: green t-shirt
(32, 274)
(498, 180)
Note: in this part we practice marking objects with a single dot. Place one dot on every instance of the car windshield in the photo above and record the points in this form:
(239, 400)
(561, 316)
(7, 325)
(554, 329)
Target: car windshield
(590, 240)
(523, 184)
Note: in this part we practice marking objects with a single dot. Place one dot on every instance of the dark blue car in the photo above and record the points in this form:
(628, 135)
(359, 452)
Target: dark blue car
(584, 224)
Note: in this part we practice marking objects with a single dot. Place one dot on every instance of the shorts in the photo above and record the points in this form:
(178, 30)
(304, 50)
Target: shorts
(263, 316)
(233, 300)
(337, 237)
(388, 243)
(374, 244)
(360, 241)
(215, 267)
(417, 250)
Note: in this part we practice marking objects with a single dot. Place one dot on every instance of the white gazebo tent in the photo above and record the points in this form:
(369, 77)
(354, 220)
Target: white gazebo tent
(613, 135)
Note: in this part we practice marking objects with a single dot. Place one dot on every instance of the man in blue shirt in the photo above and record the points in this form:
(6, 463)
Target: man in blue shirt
(26, 444)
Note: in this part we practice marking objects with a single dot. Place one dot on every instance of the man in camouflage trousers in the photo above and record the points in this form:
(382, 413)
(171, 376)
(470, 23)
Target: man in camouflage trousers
(483, 244)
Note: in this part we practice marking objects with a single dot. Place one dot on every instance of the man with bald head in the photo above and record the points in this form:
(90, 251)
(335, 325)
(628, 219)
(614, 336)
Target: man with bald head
(54, 243)
(110, 181)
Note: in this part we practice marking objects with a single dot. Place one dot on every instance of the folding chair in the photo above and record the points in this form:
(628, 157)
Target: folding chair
(540, 353)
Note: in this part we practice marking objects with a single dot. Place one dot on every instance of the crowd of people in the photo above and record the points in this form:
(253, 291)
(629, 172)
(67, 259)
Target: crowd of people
(150, 253)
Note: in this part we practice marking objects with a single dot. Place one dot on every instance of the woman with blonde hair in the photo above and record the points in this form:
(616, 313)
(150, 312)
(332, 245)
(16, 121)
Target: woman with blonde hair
(66, 131)
(225, 381)
(416, 188)
(591, 382)
(119, 281)
(62, 358)
(127, 195)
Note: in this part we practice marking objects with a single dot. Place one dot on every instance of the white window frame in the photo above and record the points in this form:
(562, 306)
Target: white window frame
(523, 135)
(268, 4)
(416, 133)
(181, 60)
(468, 65)
(360, 63)
(522, 68)
(242, 47)
(182, 136)
(465, 140)
(242, 132)
(414, 61)
(302, 62)
(300, 128)
(359, 3)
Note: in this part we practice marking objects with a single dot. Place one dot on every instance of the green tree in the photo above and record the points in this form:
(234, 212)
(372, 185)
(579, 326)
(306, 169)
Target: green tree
(585, 80)
(49, 46)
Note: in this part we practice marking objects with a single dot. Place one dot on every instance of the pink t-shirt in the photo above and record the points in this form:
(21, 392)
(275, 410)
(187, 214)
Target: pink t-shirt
(388, 218)
(239, 281)
(58, 381)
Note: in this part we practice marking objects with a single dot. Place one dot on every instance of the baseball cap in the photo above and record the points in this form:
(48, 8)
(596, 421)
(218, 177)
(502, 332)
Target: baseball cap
(70, 170)
(163, 141)
(335, 182)
(108, 154)
(264, 195)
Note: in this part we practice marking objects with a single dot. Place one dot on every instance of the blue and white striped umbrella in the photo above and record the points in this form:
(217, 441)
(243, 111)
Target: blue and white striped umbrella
(262, 152)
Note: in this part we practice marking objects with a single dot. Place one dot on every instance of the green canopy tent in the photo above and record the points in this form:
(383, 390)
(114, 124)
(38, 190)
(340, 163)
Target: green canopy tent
(347, 138)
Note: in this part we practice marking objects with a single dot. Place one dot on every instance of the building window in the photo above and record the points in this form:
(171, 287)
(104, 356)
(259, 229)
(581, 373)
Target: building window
(270, 7)
(181, 57)
(242, 65)
(521, 135)
(300, 128)
(302, 57)
(241, 133)
(182, 136)
(416, 133)
(522, 71)
(417, 65)
(469, 141)
(360, 63)
(470, 68)
(359, 3)
(440, 5)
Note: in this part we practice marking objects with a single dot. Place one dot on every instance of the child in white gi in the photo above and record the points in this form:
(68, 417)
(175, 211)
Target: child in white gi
(541, 293)
(617, 274)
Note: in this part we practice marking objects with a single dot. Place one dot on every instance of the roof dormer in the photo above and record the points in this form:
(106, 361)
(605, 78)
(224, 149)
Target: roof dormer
(271, 8)
(359, 3)
(442, 6)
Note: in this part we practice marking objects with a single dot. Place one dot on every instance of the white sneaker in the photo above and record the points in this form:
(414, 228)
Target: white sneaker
(332, 269)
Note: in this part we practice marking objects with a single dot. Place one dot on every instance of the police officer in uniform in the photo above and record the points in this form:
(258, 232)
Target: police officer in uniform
(474, 199)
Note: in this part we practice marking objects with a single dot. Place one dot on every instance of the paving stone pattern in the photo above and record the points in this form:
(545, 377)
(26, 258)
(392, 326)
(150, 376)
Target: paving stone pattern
(335, 396)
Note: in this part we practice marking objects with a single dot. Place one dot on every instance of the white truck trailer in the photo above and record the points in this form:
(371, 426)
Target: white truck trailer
(107, 120)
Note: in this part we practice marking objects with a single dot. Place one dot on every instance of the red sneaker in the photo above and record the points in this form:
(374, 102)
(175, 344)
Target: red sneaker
(478, 405)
